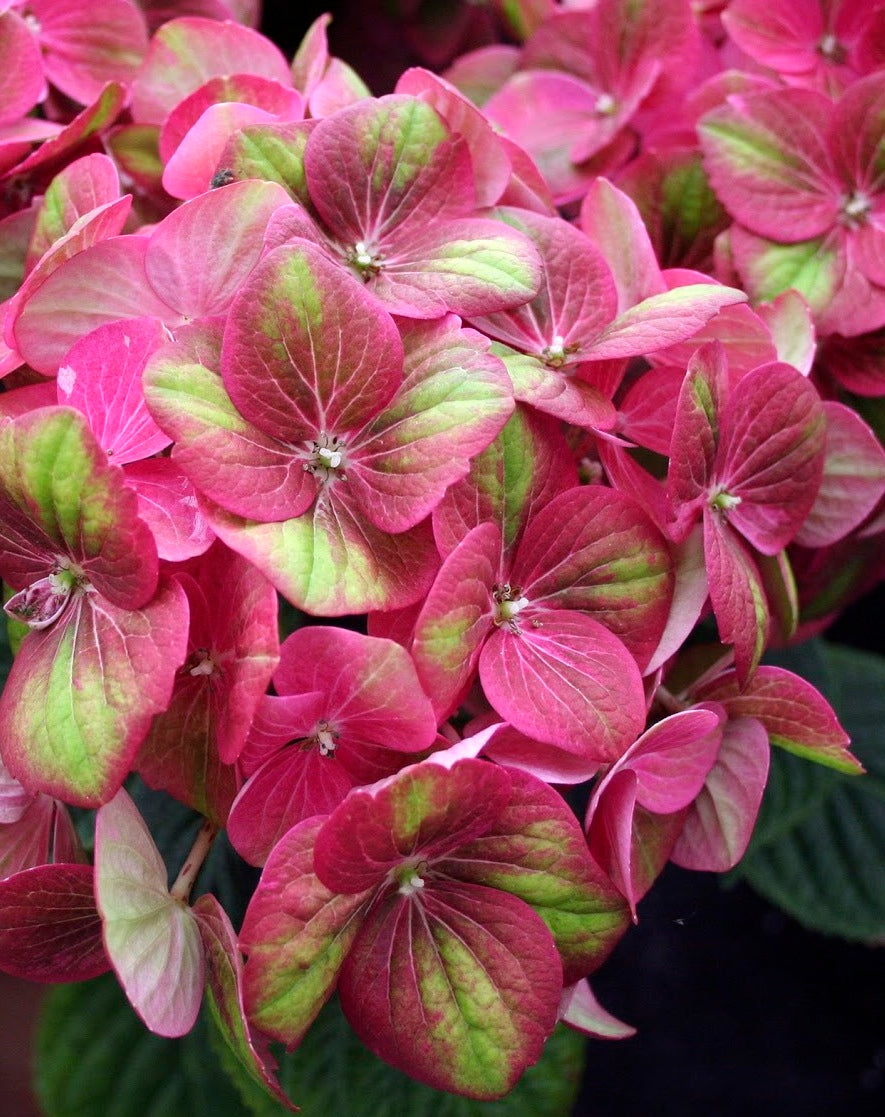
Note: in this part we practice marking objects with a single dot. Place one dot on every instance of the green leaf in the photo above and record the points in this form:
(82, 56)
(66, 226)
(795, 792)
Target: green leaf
(96, 1059)
(331, 1072)
(818, 850)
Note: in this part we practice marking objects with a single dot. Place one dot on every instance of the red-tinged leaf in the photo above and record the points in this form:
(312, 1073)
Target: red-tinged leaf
(561, 396)
(167, 502)
(580, 1009)
(151, 937)
(769, 161)
(695, 440)
(296, 934)
(134, 147)
(224, 985)
(279, 720)
(312, 56)
(22, 83)
(521, 471)
(49, 926)
(719, 825)
(537, 851)
(186, 53)
(65, 512)
(736, 593)
(81, 694)
(672, 759)
(458, 987)
(613, 223)
(332, 561)
(594, 550)
(457, 617)
(101, 377)
(788, 317)
(577, 299)
(199, 256)
(224, 455)
(453, 401)
(387, 166)
(853, 479)
(562, 677)
(772, 438)
(291, 785)
(98, 285)
(491, 164)
(307, 350)
(420, 815)
(747, 339)
(796, 716)
(647, 410)
(83, 49)
(661, 320)
(273, 152)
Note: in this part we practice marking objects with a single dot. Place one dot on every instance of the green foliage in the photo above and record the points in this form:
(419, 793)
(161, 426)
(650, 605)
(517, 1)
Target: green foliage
(818, 850)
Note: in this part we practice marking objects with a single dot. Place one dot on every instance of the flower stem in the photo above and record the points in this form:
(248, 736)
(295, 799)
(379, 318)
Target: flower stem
(184, 882)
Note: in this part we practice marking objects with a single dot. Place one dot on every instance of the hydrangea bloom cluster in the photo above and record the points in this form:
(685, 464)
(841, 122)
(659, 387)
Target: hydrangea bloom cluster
(536, 373)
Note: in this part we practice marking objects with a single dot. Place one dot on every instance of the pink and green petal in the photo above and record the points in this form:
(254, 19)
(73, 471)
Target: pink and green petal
(458, 987)
(62, 503)
(537, 851)
(420, 815)
(795, 715)
(151, 938)
(224, 985)
(50, 929)
(307, 350)
(457, 617)
(82, 694)
(454, 399)
(331, 561)
(580, 1009)
(84, 185)
(695, 439)
(224, 455)
(167, 502)
(563, 397)
(296, 935)
(595, 550)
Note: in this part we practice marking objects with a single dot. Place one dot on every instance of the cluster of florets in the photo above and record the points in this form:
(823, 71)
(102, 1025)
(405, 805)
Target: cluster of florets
(543, 370)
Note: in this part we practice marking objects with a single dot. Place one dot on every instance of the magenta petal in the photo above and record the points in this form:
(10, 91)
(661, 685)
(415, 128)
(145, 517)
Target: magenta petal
(22, 83)
(191, 167)
(290, 786)
(718, 827)
(96, 286)
(564, 678)
(672, 759)
(695, 439)
(422, 813)
(581, 1010)
(85, 48)
(199, 256)
(459, 987)
(736, 592)
(773, 432)
(50, 929)
(167, 502)
(101, 377)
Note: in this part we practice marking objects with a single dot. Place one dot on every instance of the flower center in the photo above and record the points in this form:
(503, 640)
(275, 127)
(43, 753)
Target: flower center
(408, 878)
(855, 208)
(605, 105)
(366, 261)
(203, 663)
(557, 352)
(831, 49)
(325, 737)
(509, 602)
(325, 459)
(723, 502)
(43, 602)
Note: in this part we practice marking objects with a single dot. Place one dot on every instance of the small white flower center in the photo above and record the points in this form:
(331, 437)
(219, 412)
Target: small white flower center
(605, 105)
(856, 208)
(325, 738)
(411, 885)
